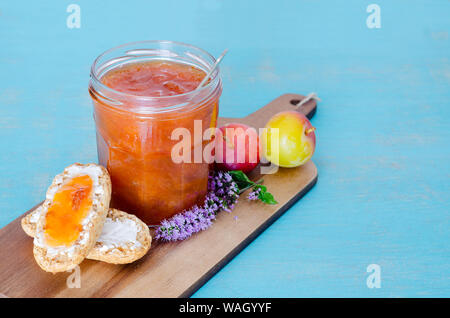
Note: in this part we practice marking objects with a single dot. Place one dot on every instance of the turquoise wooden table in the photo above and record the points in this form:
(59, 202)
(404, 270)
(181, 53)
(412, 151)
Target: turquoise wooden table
(382, 126)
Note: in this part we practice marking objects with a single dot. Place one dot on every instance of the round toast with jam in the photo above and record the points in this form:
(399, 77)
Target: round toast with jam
(72, 217)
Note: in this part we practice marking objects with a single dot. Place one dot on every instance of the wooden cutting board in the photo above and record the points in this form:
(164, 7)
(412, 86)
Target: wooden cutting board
(169, 269)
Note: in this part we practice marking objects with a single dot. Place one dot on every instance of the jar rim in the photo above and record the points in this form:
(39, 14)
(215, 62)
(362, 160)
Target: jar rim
(142, 98)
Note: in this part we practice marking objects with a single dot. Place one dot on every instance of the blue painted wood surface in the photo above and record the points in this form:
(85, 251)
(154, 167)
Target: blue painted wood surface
(382, 126)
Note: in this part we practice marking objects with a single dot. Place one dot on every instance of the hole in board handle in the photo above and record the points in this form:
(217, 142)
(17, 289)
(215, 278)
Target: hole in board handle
(294, 102)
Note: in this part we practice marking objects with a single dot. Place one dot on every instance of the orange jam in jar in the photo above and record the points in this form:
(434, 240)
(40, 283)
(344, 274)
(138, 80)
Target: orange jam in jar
(70, 205)
(142, 92)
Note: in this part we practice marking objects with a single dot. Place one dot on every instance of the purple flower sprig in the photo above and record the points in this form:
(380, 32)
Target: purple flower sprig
(254, 194)
(223, 194)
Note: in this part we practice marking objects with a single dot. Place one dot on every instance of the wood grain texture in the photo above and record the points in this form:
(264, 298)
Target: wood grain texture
(169, 269)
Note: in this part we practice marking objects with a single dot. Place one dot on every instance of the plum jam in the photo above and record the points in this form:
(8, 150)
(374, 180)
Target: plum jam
(139, 99)
(154, 78)
(69, 207)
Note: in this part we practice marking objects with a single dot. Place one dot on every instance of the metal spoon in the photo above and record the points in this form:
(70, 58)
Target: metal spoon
(219, 59)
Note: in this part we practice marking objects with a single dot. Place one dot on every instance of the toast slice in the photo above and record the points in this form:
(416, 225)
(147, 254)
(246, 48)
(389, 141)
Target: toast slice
(29, 221)
(124, 238)
(72, 217)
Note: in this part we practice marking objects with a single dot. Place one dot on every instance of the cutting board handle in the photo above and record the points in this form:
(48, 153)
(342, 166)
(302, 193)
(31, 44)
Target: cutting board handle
(308, 108)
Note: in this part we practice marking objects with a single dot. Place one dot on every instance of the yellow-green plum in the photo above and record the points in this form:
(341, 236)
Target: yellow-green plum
(296, 140)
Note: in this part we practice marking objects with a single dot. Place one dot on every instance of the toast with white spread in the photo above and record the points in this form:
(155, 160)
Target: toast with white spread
(124, 239)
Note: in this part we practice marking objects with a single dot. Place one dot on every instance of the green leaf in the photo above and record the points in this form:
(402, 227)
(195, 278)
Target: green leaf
(241, 179)
(267, 197)
(260, 186)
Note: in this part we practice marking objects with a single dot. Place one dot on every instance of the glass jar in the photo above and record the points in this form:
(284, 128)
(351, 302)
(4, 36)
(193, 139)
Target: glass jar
(134, 132)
